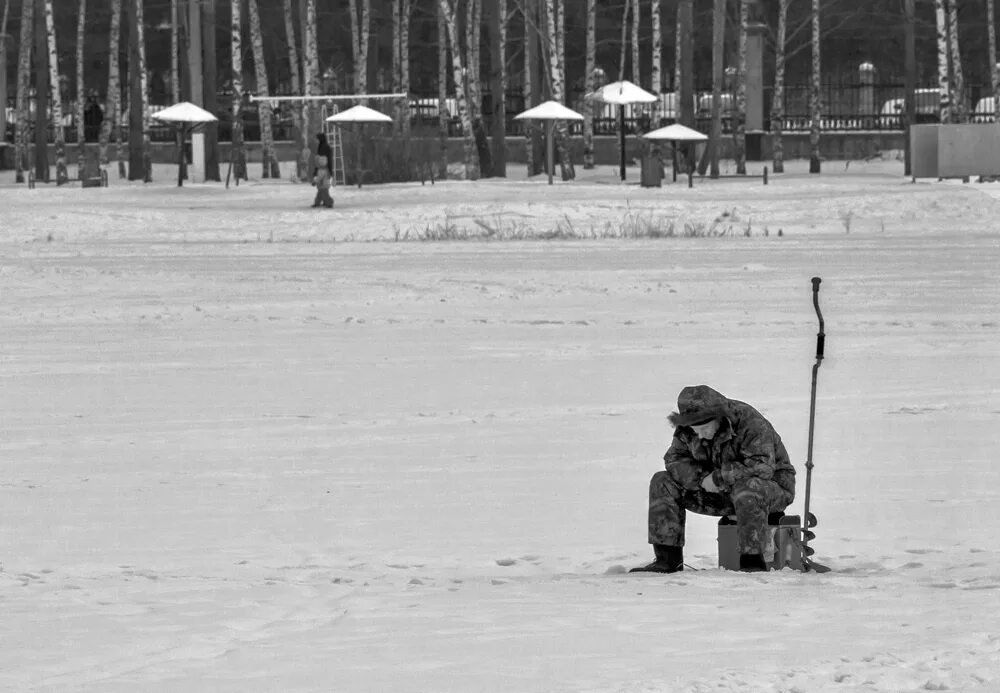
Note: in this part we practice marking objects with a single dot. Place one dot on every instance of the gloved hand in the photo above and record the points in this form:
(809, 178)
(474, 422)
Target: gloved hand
(708, 483)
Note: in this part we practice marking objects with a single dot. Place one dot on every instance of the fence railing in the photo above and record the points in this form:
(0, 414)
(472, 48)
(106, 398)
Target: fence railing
(850, 107)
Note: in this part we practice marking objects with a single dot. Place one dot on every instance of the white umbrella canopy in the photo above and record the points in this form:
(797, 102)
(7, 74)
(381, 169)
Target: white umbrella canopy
(180, 114)
(677, 133)
(184, 112)
(550, 110)
(359, 114)
(621, 93)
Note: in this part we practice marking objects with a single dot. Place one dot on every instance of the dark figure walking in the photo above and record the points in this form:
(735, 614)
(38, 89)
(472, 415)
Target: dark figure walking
(725, 459)
(323, 149)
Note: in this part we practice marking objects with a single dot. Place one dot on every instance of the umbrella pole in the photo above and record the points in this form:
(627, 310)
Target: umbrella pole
(180, 156)
(548, 150)
(621, 140)
(361, 129)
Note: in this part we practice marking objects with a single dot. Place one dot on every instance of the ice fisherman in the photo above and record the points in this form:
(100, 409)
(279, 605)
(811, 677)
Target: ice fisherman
(725, 459)
(321, 180)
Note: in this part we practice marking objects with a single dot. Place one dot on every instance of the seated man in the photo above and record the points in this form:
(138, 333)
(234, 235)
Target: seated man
(725, 459)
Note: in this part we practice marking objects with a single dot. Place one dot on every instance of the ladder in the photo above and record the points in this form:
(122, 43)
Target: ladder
(332, 131)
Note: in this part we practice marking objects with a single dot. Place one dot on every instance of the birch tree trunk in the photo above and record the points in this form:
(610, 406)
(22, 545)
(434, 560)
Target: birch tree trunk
(588, 111)
(269, 162)
(3, 68)
(558, 95)
(992, 57)
(208, 83)
(43, 92)
(21, 163)
(111, 107)
(958, 77)
(636, 18)
(238, 152)
(175, 45)
(473, 77)
(739, 126)
(406, 14)
(310, 83)
(624, 48)
(471, 153)
(815, 102)
(443, 115)
(656, 74)
(298, 123)
(55, 96)
(399, 115)
(778, 97)
(944, 80)
(678, 48)
(497, 40)
(81, 135)
(530, 60)
(147, 145)
(718, 71)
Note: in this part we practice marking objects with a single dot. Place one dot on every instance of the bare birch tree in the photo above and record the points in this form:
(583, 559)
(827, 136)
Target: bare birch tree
(590, 87)
(443, 115)
(268, 159)
(471, 153)
(237, 153)
(361, 35)
(656, 59)
(961, 106)
(59, 133)
(310, 84)
(496, 23)
(175, 46)
(740, 115)
(294, 67)
(23, 81)
(111, 107)
(815, 93)
(147, 146)
(557, 79)
(944, 78)
(473, 83)
(3, 68)
(530, 70)
(778, 97)
(718, 71)
(81, 133)
(991, 35)
(624, 47)
(405, 15)
(636, 18)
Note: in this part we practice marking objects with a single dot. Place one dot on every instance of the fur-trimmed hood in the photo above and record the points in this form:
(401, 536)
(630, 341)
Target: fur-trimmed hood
(698, 404)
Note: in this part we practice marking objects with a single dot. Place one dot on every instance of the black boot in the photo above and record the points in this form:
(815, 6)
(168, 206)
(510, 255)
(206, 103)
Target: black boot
(669, 559)
(752, 563)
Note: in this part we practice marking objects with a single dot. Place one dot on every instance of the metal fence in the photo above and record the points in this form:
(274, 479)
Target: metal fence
(846, 107)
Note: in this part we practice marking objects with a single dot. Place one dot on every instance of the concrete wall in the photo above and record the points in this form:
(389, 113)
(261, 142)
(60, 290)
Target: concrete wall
(836, 146)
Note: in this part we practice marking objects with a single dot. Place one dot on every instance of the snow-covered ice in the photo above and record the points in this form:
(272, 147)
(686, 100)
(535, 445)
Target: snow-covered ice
(251, 446)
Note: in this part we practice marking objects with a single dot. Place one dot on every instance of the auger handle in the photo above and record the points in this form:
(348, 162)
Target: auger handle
(821, 337)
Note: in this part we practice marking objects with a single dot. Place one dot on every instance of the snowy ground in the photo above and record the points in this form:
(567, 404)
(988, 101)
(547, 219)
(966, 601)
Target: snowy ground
(241, 454)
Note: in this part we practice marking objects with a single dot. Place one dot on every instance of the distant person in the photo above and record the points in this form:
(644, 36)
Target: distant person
(321, 180)
(93, 116)
(323, 150)
(725, 459)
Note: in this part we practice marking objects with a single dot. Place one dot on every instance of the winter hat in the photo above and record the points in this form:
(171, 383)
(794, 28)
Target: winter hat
(699, 404)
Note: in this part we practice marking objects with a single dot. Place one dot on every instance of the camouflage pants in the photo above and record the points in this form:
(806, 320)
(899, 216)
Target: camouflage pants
(678, 489)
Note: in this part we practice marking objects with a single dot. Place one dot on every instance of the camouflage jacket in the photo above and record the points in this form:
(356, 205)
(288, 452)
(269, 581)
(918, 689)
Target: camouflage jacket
(746, 445)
